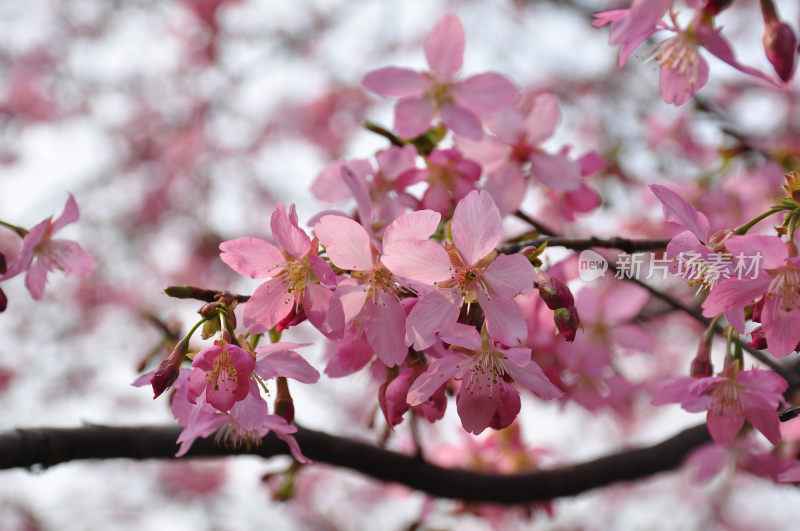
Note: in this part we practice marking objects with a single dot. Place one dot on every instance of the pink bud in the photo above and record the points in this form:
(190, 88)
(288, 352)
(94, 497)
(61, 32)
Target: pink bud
(567, 322)
(759, 340)
(701, 364)
(3, 301)
(780, 45)
(284, 404)
(168, 370)
(713, 7)
(554, 292)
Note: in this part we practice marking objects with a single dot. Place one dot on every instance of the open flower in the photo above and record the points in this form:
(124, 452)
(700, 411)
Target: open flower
(486, 397)
(223, 372)
(424, 94)
(296, 271)
(776, 277)
(730, 399)
(41, 254)
(469, 271)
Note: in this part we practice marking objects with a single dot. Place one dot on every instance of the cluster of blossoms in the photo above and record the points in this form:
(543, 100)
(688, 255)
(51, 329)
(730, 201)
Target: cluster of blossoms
(418, 284)
(683, 71)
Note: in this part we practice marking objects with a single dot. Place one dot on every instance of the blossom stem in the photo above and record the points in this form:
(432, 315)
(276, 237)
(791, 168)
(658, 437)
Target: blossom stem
(377, 129)
(749, 225)
(19, 230)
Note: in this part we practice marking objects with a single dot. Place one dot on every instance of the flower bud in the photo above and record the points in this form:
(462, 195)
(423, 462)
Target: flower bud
(554, 292)
(167, 371)
(567, 322)
(759, 340)
(3, 301)
(3, 267)
(758, 307)
(780, 46)
(701, 364)
(714, 7)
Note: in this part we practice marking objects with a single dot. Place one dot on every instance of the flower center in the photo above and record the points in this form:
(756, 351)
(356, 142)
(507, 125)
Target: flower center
(487, 370)
(223, 370)
(784, 290)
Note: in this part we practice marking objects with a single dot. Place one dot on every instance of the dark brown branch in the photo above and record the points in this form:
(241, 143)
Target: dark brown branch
(382, 131)
(202, 294)
(45, 447)
(581, 244)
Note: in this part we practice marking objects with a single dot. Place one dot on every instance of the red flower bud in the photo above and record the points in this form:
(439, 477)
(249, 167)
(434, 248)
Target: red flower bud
(167, 371)
(554, 292)
(284, 404)
(780, 45)
(567, 322)
(3, 301)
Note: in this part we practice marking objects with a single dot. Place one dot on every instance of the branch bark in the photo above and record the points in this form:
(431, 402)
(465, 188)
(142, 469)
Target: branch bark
(49, 446)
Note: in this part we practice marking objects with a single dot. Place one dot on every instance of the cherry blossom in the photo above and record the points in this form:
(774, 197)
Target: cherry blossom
(296, 270)
(424, 94)
(730, 399)
(485, 398)
(469, 271)
(41, 253)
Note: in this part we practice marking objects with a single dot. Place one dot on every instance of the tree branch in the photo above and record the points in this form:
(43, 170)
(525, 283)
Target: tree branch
(581, 244)
(49, 446)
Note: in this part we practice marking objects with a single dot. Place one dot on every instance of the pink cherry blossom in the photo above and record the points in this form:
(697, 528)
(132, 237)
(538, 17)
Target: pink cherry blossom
(460, 104)
(730, 399)
(485, 398)
(683, 70)
(223, 372)
(776, 278)
(41, 253)
(298, 273)
(367, 300)
(470, 271)
(450, 178)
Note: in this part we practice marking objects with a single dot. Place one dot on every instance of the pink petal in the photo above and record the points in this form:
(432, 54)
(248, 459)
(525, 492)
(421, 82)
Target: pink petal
(412, 116)
(461, 121)
(351, 296)
(461, 335)
(435, 376)
(350, 356)
(31, 241)
(444, 47)
(724, 423)
(435, 310)
(678, 87)
(507, 186)
(394, 82)
(677, 210)
(417, 225)
(251, 257)
(477, 227)
(635, 298)
(509, 275)
(69, 215)
(421, 260)
(478, 405)
(385, 324)
(733, 293)
(780, 327)
(486, 94)
(285, 363)
(508, 125)
(322, 270)
(269, 304)
(251, 412)
(358, 187)
(555, 171)
(532, 378)
(316, 306)
(437, 198)
(772, 249)
(329, 186)
(712, 40)
(393, 398)
(672, 390)
(71, 258)
(508, 406)
(287, 233)
(36, 278)
(504, 319)
(542, 119)
(396, 160)
(763, 381)
(346, 242)
(762, 414)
